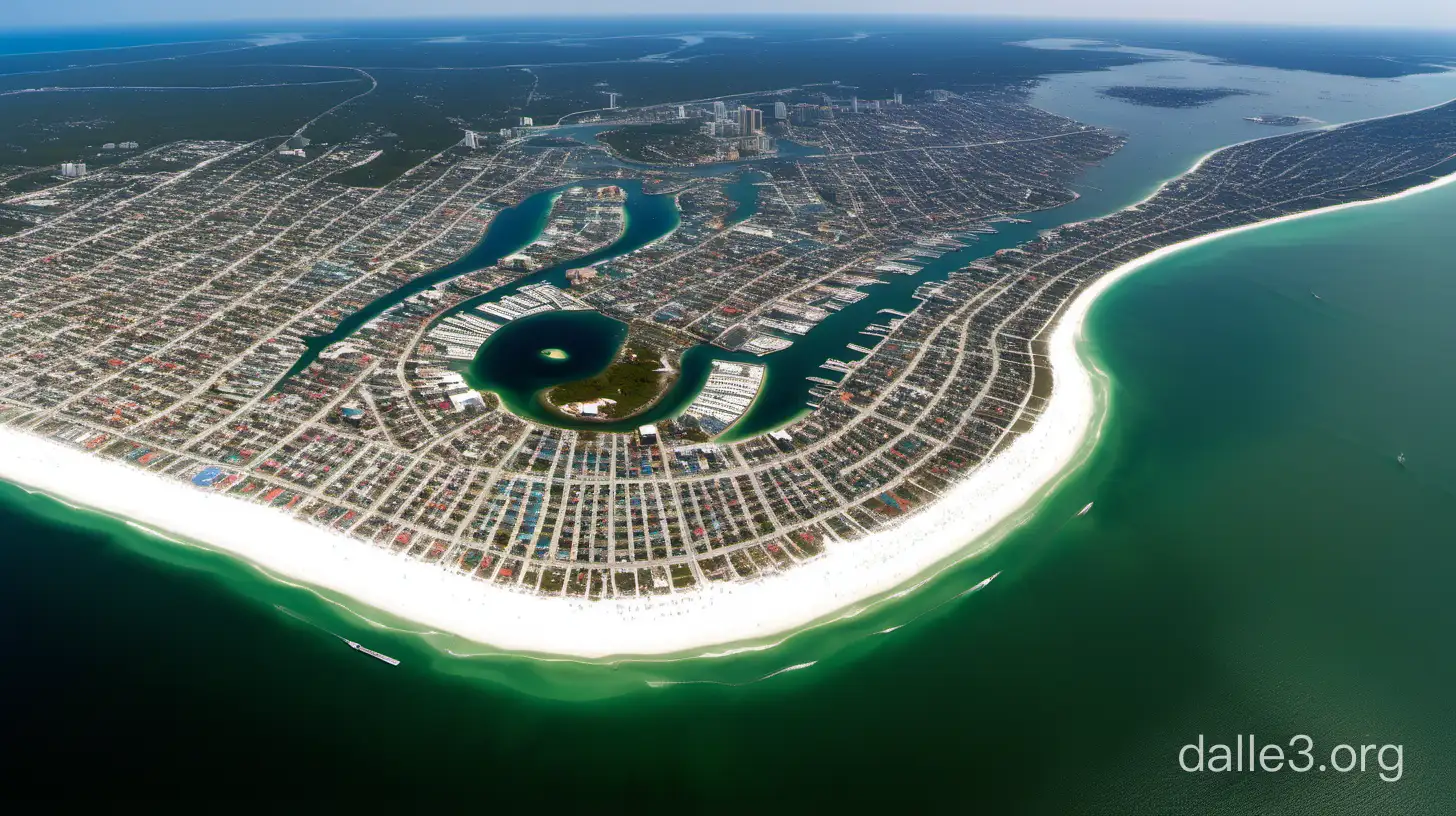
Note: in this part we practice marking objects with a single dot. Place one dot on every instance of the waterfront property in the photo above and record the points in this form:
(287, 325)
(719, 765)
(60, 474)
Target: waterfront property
(326, 364)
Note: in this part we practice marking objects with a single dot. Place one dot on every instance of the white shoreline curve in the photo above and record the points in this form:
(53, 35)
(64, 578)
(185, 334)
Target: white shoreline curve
(841, 583)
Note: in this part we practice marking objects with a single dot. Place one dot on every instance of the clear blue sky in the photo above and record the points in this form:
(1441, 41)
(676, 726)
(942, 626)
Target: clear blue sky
(1414, 13)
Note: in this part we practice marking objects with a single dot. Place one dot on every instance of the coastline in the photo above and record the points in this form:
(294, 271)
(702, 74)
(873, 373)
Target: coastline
(964, 522)
(1201, 160)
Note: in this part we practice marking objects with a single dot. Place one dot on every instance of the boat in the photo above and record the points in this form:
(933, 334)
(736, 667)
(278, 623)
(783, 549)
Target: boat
(978, 587)
(358, 647)
(1400, 460)
(1084, 510)
(1316, 297)
(366, 650)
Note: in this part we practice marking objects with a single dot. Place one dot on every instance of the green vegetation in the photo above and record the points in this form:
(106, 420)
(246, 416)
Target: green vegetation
(1158, 96)
(665, 142)
(10, 226)
(691, 430)
(632, 380)
(45, 128)
(423, 102)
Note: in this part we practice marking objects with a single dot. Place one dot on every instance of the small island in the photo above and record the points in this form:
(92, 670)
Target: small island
(554, 354)
(632, 383)
(677, 142)
(1160, 96)
(1276, 120)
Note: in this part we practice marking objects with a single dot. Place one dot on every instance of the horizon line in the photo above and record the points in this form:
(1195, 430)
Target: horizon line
(1440, 29)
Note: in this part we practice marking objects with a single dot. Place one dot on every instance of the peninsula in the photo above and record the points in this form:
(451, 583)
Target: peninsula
(158, 322)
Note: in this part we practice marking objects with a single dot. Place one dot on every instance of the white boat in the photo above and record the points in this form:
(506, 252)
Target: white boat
(1400, 460)
(366, 650)
(352, 645)
(1084, 510)
(982, 585)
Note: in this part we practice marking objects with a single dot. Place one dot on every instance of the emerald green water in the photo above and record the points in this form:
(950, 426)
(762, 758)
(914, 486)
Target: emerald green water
(514, 365)
(517, 376)
(511, 230)
(510, 366)
(646, 218)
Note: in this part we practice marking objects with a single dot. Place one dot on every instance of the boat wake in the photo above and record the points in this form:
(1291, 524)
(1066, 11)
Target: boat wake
(963, 593)
(352, 644)
(784, 670)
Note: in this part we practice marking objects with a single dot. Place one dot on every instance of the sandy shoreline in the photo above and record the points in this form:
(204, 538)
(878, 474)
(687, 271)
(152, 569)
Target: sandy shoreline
(837, 584)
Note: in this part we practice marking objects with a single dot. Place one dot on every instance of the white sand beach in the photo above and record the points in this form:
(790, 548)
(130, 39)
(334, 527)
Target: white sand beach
(972, 517)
